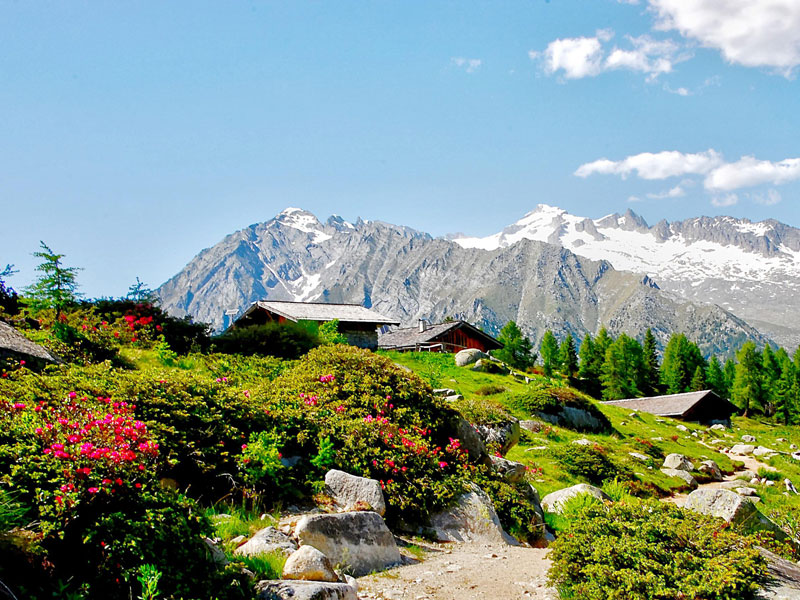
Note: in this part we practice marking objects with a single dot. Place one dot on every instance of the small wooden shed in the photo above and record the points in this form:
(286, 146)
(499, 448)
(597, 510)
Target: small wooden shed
(357, 323)
(451, 336)
(701, 407)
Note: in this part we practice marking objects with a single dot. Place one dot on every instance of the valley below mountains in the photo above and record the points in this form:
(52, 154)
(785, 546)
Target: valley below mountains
(539, 283)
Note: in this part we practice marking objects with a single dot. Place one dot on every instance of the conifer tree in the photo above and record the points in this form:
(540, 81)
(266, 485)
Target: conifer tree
(729, 371)
(785, 397)
(588, 375)
(698, 382)
(56, 287)
(651, 366)
(623, 368)
(715, 378)
(747, 391)
(568, 357)
(516, 350)
(770, 374)
(549, 353)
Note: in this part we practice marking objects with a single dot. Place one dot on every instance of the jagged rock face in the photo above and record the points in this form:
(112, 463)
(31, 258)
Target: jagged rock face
(409, 275)
(750, 268)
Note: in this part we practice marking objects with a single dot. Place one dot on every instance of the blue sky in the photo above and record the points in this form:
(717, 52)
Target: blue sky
(135, 134)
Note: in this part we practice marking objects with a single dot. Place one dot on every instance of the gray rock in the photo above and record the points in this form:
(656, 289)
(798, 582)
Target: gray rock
(582, 442)
(763, 451)
(554, 502)
(678, 461)
(710, 468)
(746, 475)
(485, 365)
(359, 541)
(532, 494)
(641, 457)
(350, 492)
(572, 417)
(310, 564)
(509, 470)
(733, 508)
(217, 555)
(304, 590)
(505, 435)
(717, 427)
(681, 474)
(265, 541)
(469, 356)
(454, 398)
(796, 455)
(681, 427)
(443, 392)
(748, 439)
(742, 449)
(532, 426)
(746, 491)
(471, 519)
(785, 584)
(471, 441)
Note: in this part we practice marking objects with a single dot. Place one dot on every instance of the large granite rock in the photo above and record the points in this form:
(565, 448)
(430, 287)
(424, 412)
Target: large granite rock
(743, 449)
(764, 451)
(304, 590)
(358, 541)
(311, 564)
(785, 584)
(509, 470)
(505, 435)
(469, 356)
(711, 469)
(681, 474)
(733, 508)
(265, 541)
(678, 461)
(554, 502)
(471, 441)
(575, 418)
(471, 519)
(350, 492)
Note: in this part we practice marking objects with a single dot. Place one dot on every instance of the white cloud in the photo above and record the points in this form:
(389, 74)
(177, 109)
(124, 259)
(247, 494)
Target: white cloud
(771, 198)
(470, 65)
(660, 165)
(753, 33)
(587, 56)
(675, 192)
(726, 200)
(749, 171)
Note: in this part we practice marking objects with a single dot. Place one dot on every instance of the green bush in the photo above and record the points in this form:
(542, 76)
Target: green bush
(284, 340)
(541, 397)
(652, 550)
(590, 463)
(490, 390)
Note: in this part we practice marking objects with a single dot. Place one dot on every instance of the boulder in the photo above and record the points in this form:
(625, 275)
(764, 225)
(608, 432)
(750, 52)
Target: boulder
(505, 434)
(471, 440)
(681, 428)
(350, 492)
(785, 577)
(509, 470)
(532, 494)
(678, 461)
(748, 439)
(717, 427)
(485, 365)
(471, 519)
(764, 451)
(581, 442)
(454, 398)
(554, 502)
(746, 475)
(746, 491)
(304, 590)
(358, 541)
(310, 564)
(681, 474)
(733, 508)
(469, 356)
(710, 468)
(742, 449)
(532, 426)
(443, 392)
(265, 541)
(575, 418)
(218, 556)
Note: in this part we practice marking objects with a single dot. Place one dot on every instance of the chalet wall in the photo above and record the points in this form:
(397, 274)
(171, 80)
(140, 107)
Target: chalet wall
(362, 338)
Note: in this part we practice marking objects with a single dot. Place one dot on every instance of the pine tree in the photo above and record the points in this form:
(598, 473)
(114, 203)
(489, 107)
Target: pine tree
(56, 287)
(770, 374)
(698, 383)
(139, 292)
(715, 378)
(588, 375)
(651, 366)
(673, 368)
(568, 357)
(785, 397)
(516, 350)
(622, 369)
(729, 371)
(747, 391)
(549, 353)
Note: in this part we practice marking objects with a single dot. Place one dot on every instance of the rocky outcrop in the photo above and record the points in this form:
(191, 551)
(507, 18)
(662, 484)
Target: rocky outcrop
(304, 590)
(710, 469)
(733, 508)
(350, 492)
(681, 474)
(469, 356)
(265, 541)
(576, 418)
(471, 519)
(504, 435)
(471, 440)
(359, 541)
(310, 564)
(509, 470)
(554, 502)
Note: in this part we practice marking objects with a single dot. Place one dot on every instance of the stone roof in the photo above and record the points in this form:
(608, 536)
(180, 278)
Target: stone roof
(12, 341)
(672, 405)
(411, 336)
(320, 311)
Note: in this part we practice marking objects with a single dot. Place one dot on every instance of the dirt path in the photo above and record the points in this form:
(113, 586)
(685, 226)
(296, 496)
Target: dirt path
(465, 572)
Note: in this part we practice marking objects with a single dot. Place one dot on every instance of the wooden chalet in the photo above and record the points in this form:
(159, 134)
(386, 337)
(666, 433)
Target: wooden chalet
(451, 336)
(357, 323)
(701, 407)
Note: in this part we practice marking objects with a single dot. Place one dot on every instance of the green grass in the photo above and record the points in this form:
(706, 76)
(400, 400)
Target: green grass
(231, 521)
(265, 566)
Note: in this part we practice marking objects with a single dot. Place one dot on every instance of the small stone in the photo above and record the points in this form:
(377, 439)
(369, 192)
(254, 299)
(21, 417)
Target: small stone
(678, 461)
(310, 564)
(681, 428)
(582, 442)
(749, 439)
(639, 456)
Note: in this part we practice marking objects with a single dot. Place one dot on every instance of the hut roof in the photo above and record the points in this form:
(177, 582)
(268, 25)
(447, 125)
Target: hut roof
(411, 336)
(672, 405)
(12, 341)
(320, 311)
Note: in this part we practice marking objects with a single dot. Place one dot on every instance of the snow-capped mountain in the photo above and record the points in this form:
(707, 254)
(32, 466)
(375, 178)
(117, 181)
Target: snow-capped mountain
(752, 269)
(409, 275)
